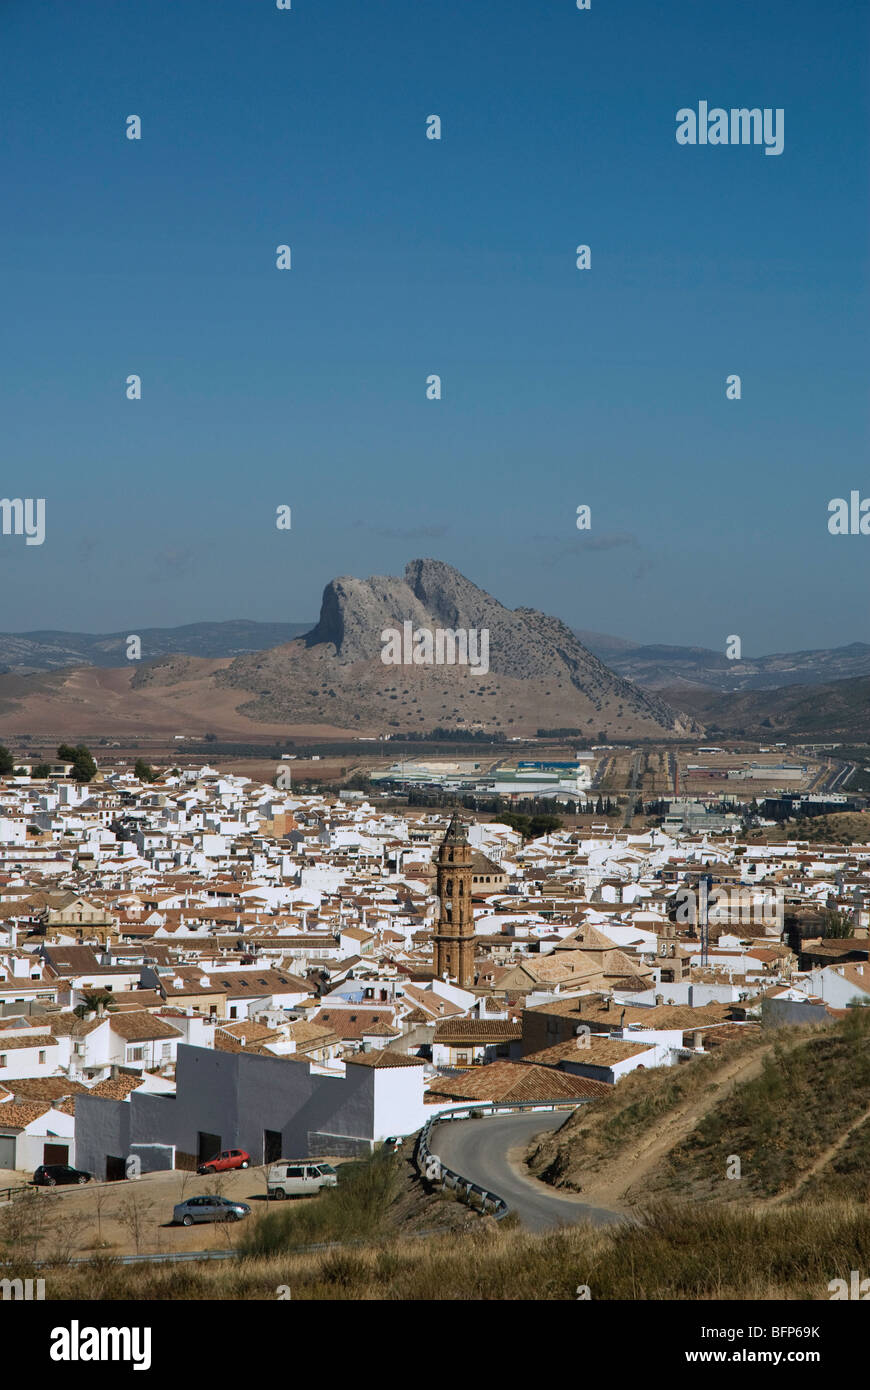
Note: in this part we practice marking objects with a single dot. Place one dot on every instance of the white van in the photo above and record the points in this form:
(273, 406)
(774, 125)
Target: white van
(299, 1178)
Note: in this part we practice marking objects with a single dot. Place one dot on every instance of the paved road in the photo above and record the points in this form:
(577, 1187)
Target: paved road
(478, 1149)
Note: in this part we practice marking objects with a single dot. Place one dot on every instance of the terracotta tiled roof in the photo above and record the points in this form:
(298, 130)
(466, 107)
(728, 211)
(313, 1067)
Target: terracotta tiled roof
(518, 1081)
(601, 1052)
(12, 1042)
(142, 1027)
(117, 1087)
(49, 1088)
(352, 1023)
(383, 1058)
(465, 1030)
(18, 1114)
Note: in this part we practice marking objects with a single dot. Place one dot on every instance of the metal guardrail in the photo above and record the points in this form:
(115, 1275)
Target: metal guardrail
(431, 1168)
(192, 1256)
(8, 1194)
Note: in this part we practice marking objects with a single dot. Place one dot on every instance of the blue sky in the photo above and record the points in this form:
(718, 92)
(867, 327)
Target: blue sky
(411, 257)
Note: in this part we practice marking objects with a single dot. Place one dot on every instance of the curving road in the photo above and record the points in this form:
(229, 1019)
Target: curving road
(480, 1149)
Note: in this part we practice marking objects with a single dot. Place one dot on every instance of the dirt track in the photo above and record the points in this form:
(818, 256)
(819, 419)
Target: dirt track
(620, 1184)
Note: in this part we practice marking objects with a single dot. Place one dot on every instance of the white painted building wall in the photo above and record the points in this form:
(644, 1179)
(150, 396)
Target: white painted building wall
(398, 1099)
(40, 1059)
(54, 1127)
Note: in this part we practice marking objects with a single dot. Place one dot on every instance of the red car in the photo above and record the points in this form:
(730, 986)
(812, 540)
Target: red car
(226, 1159)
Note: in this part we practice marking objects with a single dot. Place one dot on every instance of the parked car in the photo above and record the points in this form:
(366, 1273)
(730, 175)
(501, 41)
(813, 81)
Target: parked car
(208, 1209)
(226, 1159)
(298, 1178)
(59, 1174)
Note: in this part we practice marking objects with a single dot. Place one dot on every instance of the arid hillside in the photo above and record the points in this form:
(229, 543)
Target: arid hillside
(535, 674)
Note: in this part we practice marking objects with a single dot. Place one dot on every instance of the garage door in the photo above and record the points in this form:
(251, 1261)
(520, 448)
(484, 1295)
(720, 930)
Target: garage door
(7, 1151)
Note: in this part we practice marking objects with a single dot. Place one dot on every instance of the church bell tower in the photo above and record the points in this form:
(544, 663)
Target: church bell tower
(454, 932)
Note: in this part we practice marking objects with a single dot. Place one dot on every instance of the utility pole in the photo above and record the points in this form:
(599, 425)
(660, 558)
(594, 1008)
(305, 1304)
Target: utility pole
(704, 885)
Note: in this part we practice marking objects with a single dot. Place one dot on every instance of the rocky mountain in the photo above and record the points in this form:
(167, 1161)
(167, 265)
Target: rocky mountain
(538, 674)
(667, 667)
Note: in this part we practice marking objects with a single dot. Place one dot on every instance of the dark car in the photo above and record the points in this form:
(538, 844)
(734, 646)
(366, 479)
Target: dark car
(59, 1174)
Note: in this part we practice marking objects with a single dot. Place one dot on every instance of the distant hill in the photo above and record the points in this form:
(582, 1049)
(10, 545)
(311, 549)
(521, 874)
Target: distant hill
(25, 652)
(537, 673)
(656, 667)
(836, 710)
(653, 667)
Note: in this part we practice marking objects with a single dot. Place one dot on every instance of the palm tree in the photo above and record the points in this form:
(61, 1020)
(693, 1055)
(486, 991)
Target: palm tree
(96, 1003)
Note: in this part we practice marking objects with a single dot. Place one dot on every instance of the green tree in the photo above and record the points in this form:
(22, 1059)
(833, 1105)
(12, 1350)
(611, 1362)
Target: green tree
(544, 825)
(143, 771)
(7, 762)
(83, 766)
(96, 1001)
(41, 770)
(837, 924)
(515, 821)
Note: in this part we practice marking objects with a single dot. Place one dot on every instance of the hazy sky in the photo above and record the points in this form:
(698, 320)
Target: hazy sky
(413, 256)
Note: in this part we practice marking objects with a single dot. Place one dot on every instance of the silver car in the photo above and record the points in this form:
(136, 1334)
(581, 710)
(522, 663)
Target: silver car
(208, 1209)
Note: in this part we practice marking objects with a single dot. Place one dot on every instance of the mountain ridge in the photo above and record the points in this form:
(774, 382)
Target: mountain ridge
(526, 648)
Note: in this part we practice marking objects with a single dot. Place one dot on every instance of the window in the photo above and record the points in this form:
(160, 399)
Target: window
(2, 1059)
(135, 1054)
(166, 1050)
(42, 1057)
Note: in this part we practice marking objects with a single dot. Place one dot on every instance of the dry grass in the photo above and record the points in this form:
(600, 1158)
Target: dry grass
(596, 1134)
(671, 1253)
(778, 1123)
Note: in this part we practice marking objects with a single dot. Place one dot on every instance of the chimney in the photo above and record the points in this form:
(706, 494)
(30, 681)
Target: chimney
(660, 999)
(697, 1040)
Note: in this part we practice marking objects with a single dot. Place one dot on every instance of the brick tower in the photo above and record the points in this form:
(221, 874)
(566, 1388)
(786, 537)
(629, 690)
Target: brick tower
(454, 933)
